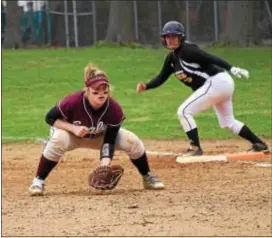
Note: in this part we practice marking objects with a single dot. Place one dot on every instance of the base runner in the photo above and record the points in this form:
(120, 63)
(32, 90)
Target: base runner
(212, 86)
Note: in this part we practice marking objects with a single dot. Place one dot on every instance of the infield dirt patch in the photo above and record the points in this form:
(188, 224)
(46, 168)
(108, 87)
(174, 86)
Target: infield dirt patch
(201, 199)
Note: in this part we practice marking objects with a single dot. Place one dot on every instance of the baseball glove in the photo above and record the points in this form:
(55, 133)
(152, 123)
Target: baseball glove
(106, 177)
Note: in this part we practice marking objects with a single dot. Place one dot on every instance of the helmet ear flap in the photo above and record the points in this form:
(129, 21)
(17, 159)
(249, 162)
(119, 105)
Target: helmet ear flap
(163, 41)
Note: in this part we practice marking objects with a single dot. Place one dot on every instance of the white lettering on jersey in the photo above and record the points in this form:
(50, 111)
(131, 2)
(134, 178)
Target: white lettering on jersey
(98, 129)
(77, 123)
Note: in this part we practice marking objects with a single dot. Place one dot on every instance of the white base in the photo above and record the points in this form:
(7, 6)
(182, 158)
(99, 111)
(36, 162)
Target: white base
(202, 158)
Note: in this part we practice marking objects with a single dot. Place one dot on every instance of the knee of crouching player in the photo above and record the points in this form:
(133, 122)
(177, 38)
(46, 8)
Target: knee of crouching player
(135, 147)
(183, 112)
(59, 143)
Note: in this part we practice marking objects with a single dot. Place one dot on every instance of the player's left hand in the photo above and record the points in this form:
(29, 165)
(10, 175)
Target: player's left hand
(240, 73)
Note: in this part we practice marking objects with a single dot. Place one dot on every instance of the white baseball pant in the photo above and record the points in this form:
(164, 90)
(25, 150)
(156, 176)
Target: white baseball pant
(62, 141)
(217, 92)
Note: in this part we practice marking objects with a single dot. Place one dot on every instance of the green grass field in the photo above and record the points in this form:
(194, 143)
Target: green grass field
(34, 80)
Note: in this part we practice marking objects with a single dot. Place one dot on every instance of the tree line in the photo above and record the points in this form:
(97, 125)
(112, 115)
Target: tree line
(115, 21)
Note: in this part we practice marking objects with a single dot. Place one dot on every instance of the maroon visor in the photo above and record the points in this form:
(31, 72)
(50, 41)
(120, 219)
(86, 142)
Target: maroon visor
(96, 81)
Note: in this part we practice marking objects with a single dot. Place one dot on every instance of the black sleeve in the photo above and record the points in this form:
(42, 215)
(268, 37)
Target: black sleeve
(198, 55)
(166, 71)
(52, 115)
(108, 146)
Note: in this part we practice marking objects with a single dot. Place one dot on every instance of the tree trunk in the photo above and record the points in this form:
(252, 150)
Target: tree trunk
(12, 31)
(57, 23)
(149, 31)
(85, 23)
(3, 23)
(242, 22)
(205, 22)
(120, 26)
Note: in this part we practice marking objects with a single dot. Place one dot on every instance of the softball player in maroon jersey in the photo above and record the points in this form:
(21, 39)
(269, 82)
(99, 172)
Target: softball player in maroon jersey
(206, 75)
(91, 119)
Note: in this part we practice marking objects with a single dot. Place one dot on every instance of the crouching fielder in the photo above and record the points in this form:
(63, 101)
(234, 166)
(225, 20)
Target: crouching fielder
(91, 118)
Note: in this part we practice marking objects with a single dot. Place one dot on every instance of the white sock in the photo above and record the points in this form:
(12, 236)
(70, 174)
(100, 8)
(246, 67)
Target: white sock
(38, 182)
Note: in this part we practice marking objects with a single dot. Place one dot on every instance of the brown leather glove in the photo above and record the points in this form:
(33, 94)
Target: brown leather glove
(106, 177)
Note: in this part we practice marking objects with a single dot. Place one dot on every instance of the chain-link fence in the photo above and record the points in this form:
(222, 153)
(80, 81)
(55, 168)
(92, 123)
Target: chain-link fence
(82, 23)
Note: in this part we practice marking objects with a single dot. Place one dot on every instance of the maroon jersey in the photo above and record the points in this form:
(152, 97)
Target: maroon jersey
(76, 109)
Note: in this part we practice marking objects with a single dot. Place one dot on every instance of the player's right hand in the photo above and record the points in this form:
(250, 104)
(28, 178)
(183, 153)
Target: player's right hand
(140, 87)
(80, 131)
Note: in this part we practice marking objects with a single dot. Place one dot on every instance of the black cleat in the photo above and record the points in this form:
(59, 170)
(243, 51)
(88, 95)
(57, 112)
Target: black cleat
(194, 151)
(259, 147)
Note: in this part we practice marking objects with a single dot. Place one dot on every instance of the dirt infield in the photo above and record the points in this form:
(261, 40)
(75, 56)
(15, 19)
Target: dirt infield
(200, 199)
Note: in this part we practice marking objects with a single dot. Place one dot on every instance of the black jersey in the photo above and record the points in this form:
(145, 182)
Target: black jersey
(191, 65)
